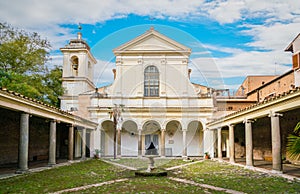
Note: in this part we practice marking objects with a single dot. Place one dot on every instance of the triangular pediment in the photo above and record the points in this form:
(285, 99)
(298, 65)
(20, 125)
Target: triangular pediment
(152, 41)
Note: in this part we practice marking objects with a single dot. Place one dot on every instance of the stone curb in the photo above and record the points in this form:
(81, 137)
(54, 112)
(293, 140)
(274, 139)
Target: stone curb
(90, 186)
(205, 185)
(120, 165)
(270, 172)
(183, 165)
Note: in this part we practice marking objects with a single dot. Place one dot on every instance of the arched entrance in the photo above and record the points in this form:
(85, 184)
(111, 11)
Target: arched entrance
(151, 133)
(173, 143)
(129, 139)
(195, 139)
(107, 138)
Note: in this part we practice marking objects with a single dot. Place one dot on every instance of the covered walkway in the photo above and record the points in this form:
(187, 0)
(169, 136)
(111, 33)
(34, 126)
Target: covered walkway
(32, 131)
(258, 132)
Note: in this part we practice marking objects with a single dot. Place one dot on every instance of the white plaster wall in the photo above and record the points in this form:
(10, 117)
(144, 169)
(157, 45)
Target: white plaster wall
(109, 143)
(297, 78)
(177, 145)
(129, 144)
(209, 141)
(194, 143)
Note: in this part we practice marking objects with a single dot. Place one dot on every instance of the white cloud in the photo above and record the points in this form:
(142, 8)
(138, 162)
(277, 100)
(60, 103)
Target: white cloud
(280, 24)
(273, 37)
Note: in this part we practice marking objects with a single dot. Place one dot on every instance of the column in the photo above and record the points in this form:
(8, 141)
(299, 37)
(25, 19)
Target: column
(23, 144)
(231, 144)
(249, 143)
(163, 147)
(220, 143)
(52, 143)
(83, 144)
(276, 142)
(71, 143)
(118, 142)
(184, 152)
(140, 143)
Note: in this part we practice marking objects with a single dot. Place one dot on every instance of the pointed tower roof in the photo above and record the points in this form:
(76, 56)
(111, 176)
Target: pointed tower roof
(152, 42)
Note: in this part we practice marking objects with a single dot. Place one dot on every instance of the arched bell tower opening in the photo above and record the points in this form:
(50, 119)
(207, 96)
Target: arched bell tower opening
(74, 65)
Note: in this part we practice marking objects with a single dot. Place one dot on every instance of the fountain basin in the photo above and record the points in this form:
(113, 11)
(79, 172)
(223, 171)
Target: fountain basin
(151, 170)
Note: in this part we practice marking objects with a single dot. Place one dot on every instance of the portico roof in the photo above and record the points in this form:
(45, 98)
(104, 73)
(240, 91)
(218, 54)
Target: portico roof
(281, 103)
(17, 102)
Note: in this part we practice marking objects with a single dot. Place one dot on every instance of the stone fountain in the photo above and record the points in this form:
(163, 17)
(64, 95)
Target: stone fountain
(151, 153)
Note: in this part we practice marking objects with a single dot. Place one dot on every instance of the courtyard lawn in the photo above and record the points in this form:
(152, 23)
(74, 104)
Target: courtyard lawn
(96, 171)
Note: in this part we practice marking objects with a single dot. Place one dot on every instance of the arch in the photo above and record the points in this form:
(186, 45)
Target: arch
(151, 81)
(151, 126)
(195, 138)
(74, 65)
(195, 125)
(107, 125)
(172, 127)
(130, 126)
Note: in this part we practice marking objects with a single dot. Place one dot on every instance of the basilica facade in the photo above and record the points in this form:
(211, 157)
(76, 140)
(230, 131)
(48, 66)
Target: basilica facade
(151, 92)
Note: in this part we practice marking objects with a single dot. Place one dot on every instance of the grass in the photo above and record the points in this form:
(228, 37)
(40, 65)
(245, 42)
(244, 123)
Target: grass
(237, 178)
(96, 171)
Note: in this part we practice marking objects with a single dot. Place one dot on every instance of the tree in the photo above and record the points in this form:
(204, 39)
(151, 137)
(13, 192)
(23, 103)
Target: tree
(117, 119)
(293, 145)
(23, 58)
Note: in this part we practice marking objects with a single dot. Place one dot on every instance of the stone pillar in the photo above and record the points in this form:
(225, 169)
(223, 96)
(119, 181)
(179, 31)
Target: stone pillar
(83, 144)
(52, 144)
(219, 143)
(71, 143)
(23, 144)
(163, 145)
(184, 152)
(118, 142)
(140, 143)
(276, 142)
(231, 144)
(249, 143)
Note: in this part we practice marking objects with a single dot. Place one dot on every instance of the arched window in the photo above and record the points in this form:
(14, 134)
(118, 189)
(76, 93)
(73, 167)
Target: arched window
(151, 81)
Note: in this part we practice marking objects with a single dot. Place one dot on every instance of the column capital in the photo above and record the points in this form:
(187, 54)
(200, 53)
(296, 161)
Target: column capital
(248, 120)
(275, 114)
(163, 130)
(184, 130)
(231, 125)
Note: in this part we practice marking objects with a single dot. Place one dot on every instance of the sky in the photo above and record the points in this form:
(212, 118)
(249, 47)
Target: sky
(230, 39)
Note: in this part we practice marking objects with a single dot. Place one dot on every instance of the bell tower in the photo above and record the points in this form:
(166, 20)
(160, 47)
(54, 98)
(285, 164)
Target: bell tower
(78, 70)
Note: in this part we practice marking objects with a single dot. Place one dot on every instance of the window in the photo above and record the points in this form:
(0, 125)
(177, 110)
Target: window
(151, 81)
